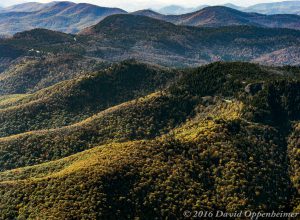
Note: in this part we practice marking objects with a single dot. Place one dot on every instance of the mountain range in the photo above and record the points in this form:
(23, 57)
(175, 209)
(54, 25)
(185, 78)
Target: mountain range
(69, 17)
(284, 7)
(121, 37)
(223, 16)
(36, 59)
(148, 116)
(61, 16)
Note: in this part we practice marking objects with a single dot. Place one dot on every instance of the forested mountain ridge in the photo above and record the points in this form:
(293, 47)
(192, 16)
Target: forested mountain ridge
(121, 37)
(76, 99)
(216, 137)
(31, 73)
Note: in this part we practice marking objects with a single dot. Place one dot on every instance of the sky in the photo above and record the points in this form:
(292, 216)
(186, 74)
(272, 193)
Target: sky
(132, 5)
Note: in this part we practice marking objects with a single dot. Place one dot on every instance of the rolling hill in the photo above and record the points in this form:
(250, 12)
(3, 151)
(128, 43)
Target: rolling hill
(163, 110)
(218, 137)
(30, 73)
(77, 99)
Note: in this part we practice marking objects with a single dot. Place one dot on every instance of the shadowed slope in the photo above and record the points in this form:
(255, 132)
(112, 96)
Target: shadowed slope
(74, 100)
(220, 163)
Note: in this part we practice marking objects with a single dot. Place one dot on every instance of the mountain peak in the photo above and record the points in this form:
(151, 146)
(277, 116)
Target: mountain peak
(64, 3)
(217, 16)
(220, 8)
(62, 16)
(220, 11)
(148, 13)
(41, 35)
(126, 22)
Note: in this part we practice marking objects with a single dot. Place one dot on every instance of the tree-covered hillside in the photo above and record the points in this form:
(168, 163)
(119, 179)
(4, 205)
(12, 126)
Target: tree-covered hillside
(74, 100)
(136, 141)
(30, 74)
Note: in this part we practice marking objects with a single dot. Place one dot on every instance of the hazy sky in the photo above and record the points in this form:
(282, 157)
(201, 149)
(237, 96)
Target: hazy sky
(142, 4)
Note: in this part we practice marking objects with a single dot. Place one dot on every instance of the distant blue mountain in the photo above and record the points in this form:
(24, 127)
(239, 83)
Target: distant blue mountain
(67, 17)
(29, 7)
(178, 10)
(217, 16)
(285, 7)
(229, 5)
(70, 17)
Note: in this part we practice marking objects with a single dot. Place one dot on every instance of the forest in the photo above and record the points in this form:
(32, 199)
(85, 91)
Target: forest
(133, 140)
